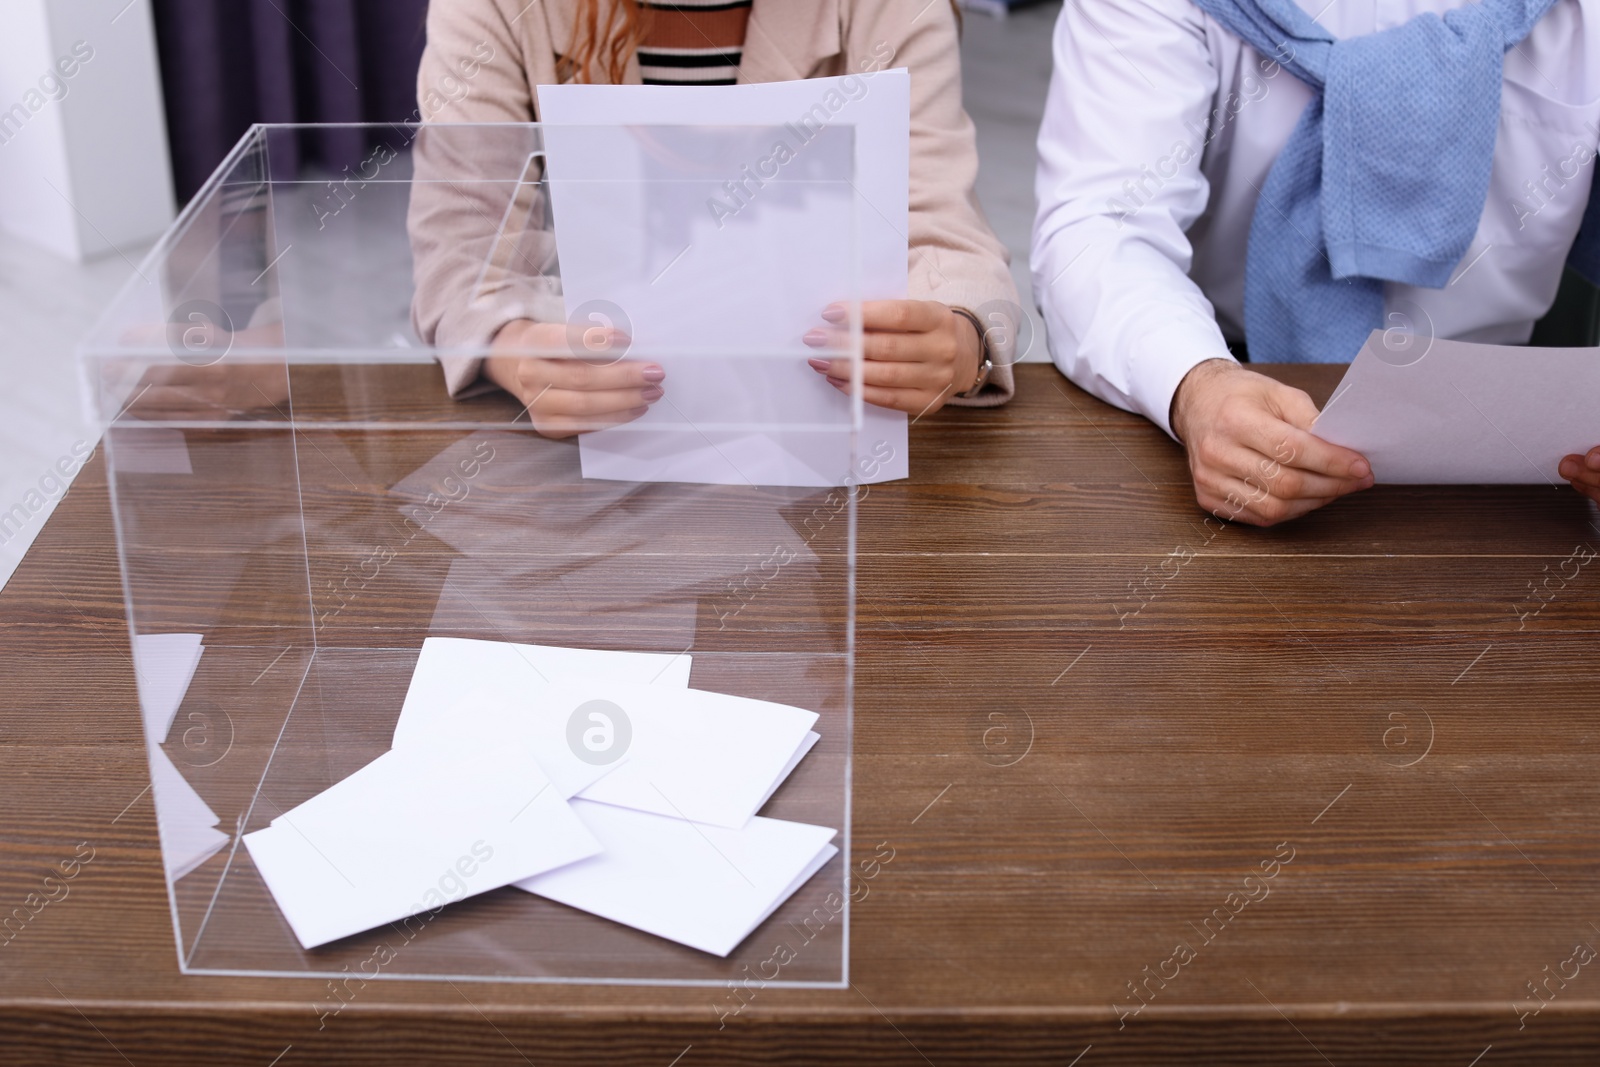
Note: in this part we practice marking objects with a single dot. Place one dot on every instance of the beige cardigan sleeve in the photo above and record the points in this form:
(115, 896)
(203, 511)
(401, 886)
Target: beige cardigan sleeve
(954, 256)
(477, 68)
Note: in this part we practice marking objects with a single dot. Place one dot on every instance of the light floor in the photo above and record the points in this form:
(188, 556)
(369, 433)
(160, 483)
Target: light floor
(47, 304)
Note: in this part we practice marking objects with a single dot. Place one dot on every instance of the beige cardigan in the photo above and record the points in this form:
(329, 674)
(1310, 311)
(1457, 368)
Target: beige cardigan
(954, 255)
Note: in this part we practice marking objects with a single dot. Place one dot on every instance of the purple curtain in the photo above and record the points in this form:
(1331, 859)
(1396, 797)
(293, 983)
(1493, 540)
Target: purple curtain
(228, 63)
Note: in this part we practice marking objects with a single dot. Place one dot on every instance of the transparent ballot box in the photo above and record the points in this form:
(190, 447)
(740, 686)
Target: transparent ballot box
(488, 548)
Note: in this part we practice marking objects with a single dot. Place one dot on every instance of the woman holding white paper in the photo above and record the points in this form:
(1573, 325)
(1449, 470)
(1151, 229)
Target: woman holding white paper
(953, 342)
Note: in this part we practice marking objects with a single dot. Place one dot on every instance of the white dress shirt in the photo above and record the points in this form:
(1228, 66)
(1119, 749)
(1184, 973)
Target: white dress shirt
(1160, 127)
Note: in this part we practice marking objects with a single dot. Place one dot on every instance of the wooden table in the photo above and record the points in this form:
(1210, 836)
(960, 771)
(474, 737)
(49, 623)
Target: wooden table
(1089, 727)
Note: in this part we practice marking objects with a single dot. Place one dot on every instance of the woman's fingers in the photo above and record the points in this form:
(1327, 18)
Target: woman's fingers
(934, 345)
(909, 387)
(565, 396)
(579, 376)
(564, 426)
(911, 350)
(562, 340)
(898, 316)
(584, 404)
(911, 401)
(884, 375)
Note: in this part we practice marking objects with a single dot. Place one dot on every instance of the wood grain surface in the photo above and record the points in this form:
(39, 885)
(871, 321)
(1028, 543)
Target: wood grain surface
(1084, 718)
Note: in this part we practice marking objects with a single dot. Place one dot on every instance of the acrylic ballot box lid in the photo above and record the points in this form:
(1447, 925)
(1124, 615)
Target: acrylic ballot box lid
(300, 503)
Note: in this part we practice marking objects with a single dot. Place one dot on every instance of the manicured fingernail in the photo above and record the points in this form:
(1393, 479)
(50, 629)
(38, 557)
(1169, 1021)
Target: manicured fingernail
(816, 338)
(819, 365)
(1360, 469)
(838, 383)
(653, 373)
(638, 411)
(834, 313)
(652, 394)
(1593, 459)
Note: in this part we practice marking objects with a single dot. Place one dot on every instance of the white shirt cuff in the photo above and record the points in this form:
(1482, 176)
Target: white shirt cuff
(1161, 358)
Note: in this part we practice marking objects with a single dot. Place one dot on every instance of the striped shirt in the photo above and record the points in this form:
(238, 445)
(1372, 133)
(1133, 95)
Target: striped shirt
(693, 42)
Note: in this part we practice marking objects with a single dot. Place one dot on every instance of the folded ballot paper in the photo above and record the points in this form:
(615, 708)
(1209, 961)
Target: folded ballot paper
(702, 886)
(164, 665)
(186, 823)
(579, 775)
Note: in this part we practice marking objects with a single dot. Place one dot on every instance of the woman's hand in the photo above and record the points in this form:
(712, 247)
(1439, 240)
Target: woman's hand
(590, 390)
(918, 353)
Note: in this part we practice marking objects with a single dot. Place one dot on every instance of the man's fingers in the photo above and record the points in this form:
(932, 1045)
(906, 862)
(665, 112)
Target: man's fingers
(1234, 500)
(1251, 451)
(1583, 470)
(1584, 473)
(1279, 478)
(1574, 471)
(1292, 405)
(1301, 447)
(1295, 447)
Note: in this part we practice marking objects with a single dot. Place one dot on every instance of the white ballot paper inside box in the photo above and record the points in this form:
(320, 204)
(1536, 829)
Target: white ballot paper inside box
(686, 753)
(412, 831)
(1435, 412)
(462, 687)
(164, 665)
(703, 886)
(716, 246)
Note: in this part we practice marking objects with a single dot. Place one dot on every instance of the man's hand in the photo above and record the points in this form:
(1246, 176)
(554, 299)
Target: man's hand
(918, 353)
(1584, 473)
(1251, 452)
(591, 389)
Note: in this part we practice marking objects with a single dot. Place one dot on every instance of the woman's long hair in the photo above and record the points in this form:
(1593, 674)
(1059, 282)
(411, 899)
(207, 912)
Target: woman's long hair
(603, 42)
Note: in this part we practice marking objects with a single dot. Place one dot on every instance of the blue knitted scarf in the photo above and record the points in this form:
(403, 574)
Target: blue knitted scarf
(1384, 177)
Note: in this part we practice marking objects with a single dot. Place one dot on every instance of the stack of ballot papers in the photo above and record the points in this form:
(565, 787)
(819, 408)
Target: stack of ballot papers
(593, 778)
(164, 665)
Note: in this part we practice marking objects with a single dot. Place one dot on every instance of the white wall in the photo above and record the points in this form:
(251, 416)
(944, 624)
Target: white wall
(83, 143)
